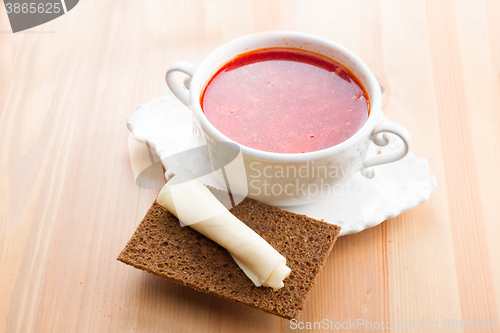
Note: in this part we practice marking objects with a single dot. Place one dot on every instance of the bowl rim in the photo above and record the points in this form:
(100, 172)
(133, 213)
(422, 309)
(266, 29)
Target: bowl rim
(371, 86)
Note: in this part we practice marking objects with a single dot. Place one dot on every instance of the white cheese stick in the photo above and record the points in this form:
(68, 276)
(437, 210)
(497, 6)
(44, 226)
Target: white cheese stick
(198, 208)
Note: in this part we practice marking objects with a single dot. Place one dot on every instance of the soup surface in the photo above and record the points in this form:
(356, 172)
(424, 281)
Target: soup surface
(285, 100)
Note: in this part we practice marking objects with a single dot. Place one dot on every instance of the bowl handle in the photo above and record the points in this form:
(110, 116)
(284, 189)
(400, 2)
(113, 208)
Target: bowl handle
(379, 138)
(182, 93)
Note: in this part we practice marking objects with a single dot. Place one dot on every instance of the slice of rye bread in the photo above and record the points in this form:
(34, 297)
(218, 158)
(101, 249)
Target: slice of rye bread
(161, 246)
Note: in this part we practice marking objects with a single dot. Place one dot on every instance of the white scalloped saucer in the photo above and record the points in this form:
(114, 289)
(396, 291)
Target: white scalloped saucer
(166, 124)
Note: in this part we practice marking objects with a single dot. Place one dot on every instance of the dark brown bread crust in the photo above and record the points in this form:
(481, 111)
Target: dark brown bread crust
(161, 246)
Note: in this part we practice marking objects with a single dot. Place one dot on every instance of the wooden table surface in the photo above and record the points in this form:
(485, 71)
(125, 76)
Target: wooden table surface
(69, 204)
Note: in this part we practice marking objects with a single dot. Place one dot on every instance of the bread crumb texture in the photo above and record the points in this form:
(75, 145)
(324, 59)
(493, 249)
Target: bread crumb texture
(162, 247)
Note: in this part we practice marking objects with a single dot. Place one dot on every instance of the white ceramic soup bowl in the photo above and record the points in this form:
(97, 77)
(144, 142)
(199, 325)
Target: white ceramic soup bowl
(293, 179)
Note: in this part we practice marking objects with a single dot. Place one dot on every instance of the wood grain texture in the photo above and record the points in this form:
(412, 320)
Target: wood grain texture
(69, 203)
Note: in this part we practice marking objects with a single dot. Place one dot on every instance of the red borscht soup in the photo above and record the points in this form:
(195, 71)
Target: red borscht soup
(285, 100)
